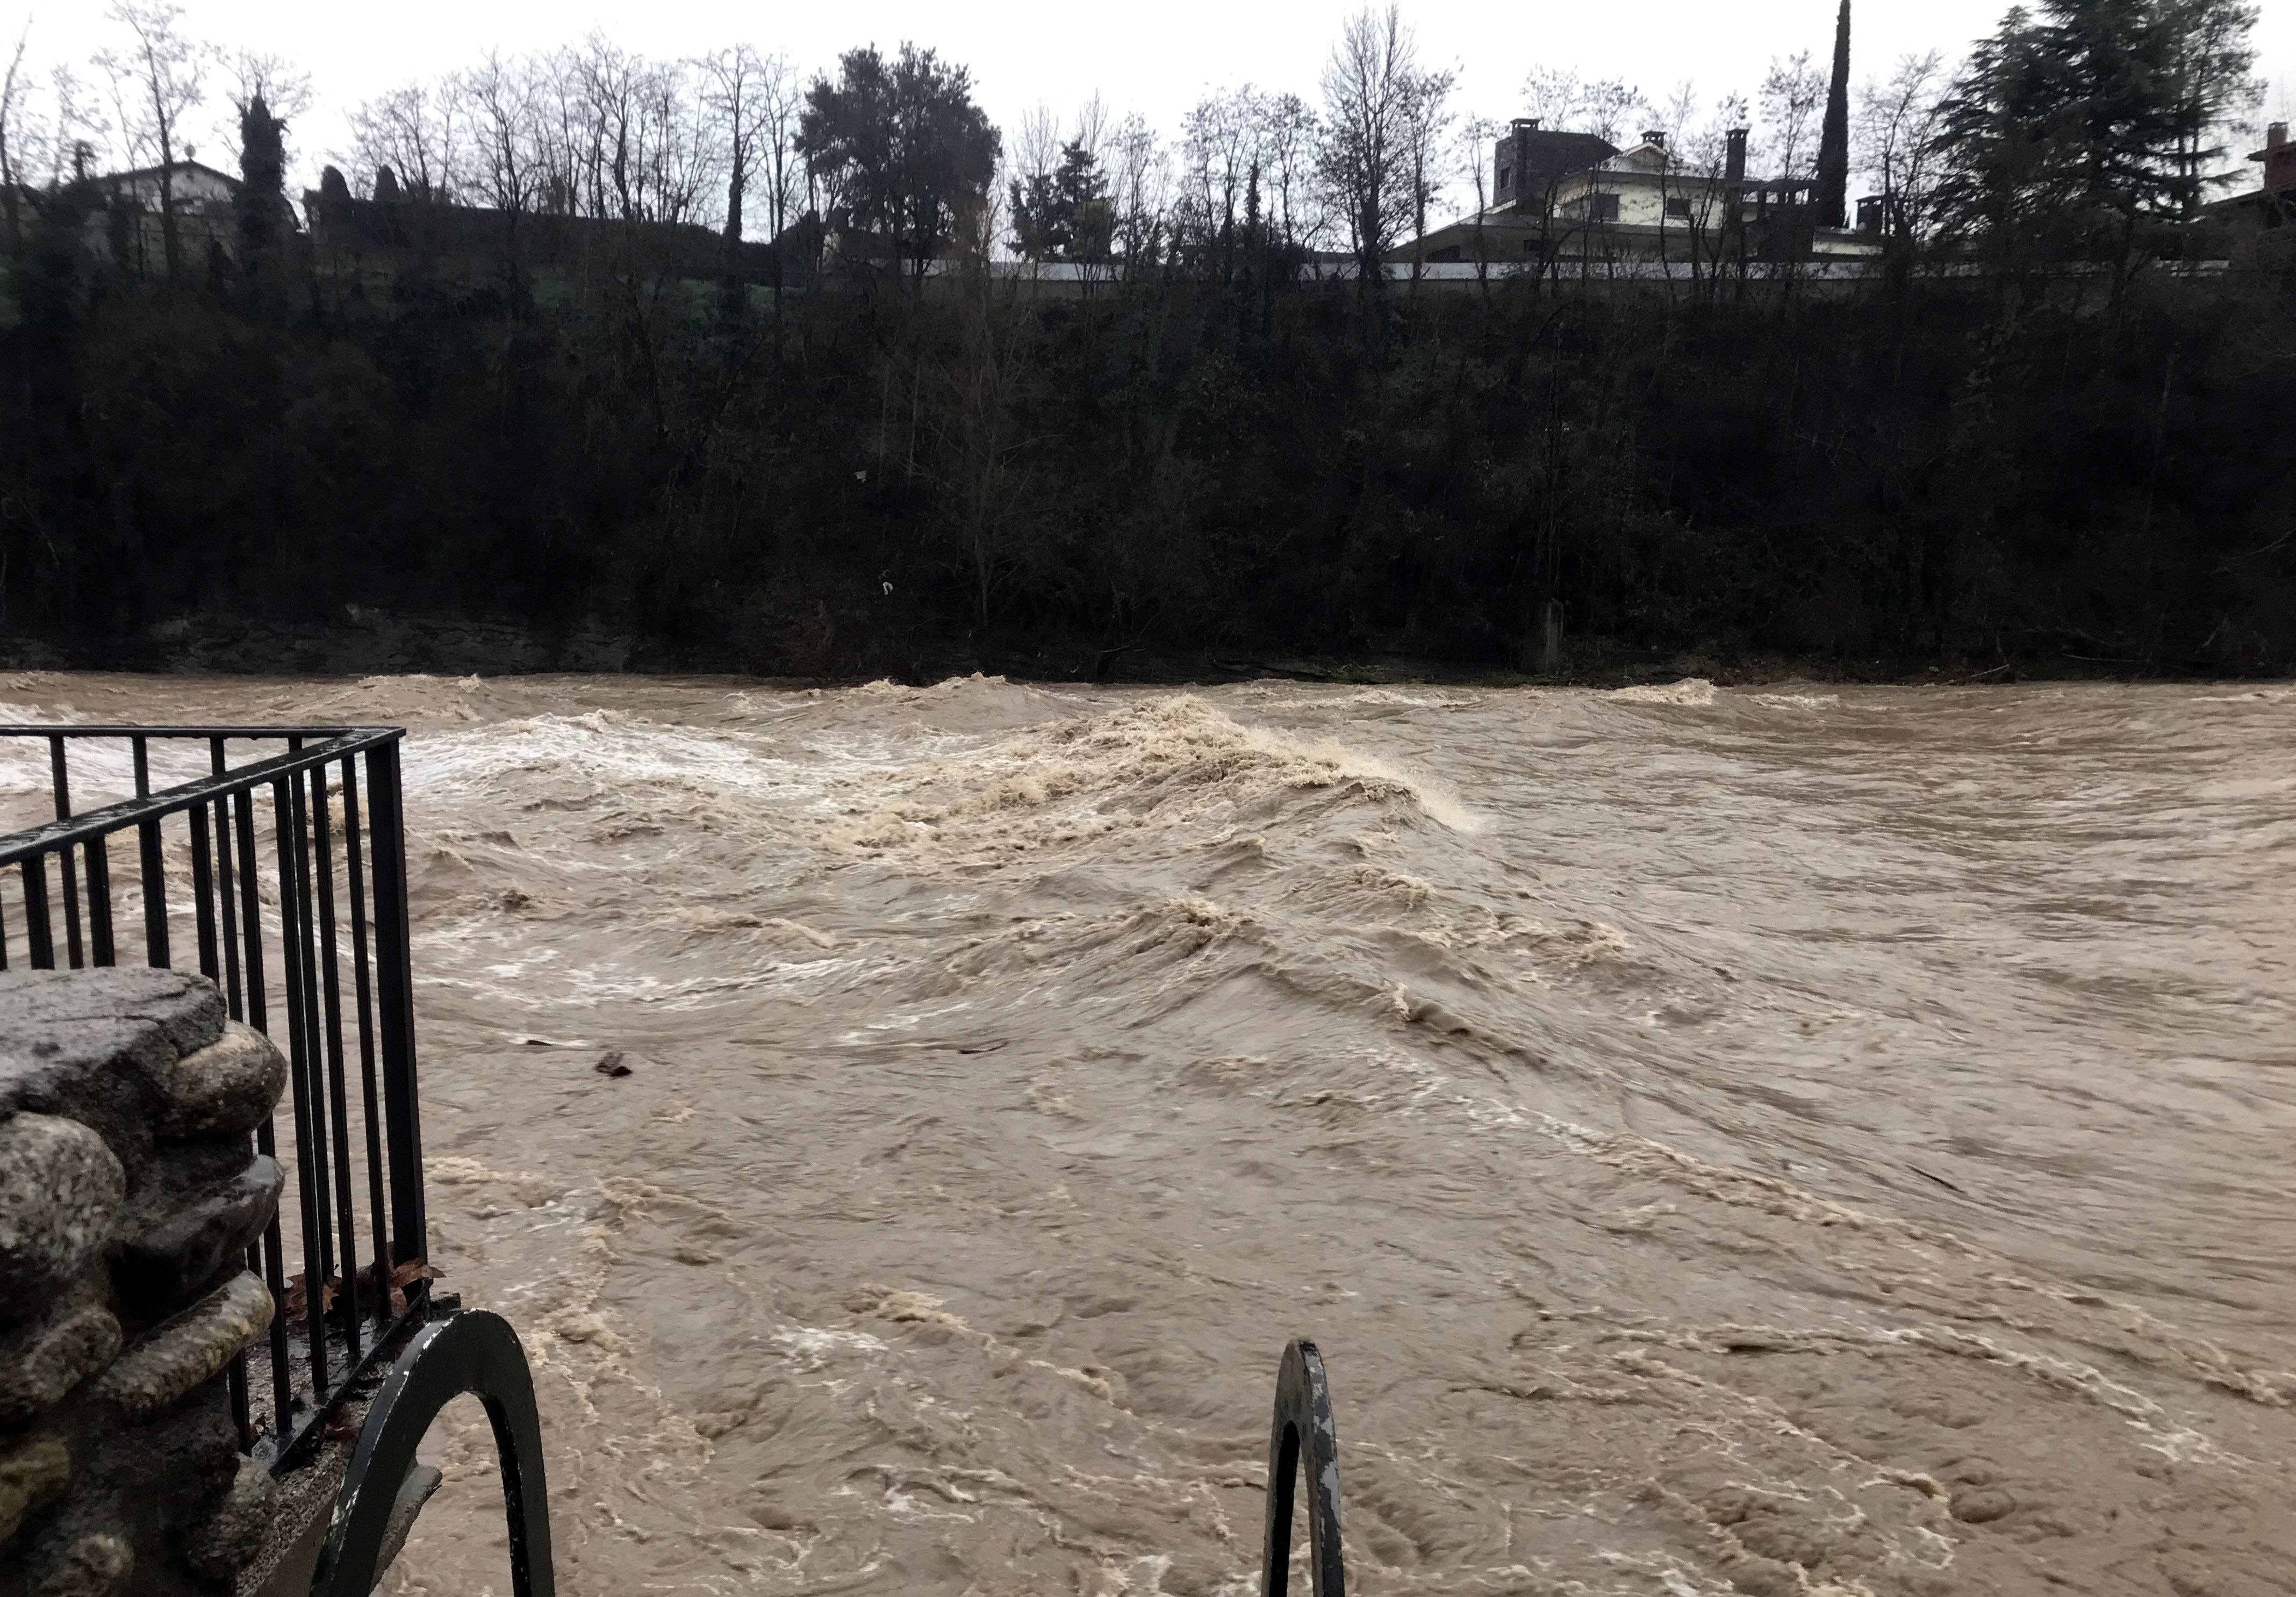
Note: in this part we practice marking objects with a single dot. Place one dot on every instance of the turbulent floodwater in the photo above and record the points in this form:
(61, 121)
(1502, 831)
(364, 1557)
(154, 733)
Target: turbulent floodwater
(1793, 1142)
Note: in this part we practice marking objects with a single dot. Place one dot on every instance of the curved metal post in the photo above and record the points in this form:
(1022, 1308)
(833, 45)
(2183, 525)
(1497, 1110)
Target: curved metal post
(1304, 1437)
(474, 1352)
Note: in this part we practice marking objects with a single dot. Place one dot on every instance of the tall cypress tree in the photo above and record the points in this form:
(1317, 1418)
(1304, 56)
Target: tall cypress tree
(1833, 196)
(261, 202)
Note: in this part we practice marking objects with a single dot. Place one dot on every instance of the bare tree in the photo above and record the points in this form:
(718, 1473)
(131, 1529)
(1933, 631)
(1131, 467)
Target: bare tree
(1426, 119)
(641, 149)
(979, 460)
(1608, 107)
(1091, 127)
(12, 94)
(273, 79)
(1141, 170)
(1369, 85)
(680, 170)
(1477, 135)
(1894, 139)
(1698, 150)
(157, 77)
(606, 95)
(736, 90)
(1288, 133)
(557, 106)
(497, 114)
(65, 149)
(409, 141)
(1035, 147)
(1793, 95)
(781, 101)
(1217, 154)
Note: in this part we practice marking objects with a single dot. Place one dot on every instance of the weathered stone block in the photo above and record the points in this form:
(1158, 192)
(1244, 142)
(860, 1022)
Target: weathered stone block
(60, 1190)
(198, 1236)
(191, 1349)
(42, 1362)
(234, 1533)
(95, 1046)
(225, 1089)
(183, 1004)
(421, 1483)
(31, 1471)
(95, 1565)
(150, 1486)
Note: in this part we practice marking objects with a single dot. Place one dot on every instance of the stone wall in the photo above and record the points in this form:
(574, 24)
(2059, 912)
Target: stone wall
(130, 1192)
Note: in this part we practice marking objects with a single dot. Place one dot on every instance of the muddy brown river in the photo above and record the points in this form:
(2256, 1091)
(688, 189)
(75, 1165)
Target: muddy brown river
(1792, 1142)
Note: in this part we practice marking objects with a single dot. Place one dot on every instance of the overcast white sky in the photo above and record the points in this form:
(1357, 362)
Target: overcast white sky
(1155, 59)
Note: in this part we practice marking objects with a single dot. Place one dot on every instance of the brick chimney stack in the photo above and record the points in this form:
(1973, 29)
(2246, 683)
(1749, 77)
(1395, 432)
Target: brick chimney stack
(1511, 162)
(2279, 159)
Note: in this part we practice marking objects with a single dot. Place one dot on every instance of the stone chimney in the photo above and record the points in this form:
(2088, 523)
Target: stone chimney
(1510, 160)
(1830, 199)
(2279, 159)
(1734, 188)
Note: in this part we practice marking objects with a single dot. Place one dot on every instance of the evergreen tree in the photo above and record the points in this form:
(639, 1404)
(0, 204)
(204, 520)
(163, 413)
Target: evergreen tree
(2071, 129)
(1064, 214)
(899, 148)
(261, 202)
(1831, 196)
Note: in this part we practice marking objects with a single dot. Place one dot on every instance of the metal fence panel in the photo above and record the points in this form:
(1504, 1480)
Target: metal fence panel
(277, 928)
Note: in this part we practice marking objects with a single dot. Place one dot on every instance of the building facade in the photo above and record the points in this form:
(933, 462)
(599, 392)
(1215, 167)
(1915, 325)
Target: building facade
(2274, 204)
(131, 229)
(1571, 199)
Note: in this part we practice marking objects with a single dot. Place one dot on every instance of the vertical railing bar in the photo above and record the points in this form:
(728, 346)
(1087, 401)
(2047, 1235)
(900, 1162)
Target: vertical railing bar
(203, 909)
(274, 1276)
(250, 909)
(365, 997)
(240, 1419)
(395, 1003)
(230, 928)
(310, 1176)
(62, 784)
(307, 969)
(155, 880)
(155, 895)
(99, 899)
(249, 983)
(331, 998)
(39, 939)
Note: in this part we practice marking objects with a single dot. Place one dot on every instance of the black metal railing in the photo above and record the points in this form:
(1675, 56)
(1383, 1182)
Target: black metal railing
(1303, 1443)
(288, 876)
(479, 1353)
(475, 1353)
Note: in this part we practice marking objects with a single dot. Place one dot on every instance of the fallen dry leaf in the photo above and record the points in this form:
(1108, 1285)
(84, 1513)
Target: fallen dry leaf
(299, 1298)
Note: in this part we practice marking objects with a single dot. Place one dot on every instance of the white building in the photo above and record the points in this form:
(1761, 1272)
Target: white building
(132, 227)
(1573, 198)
